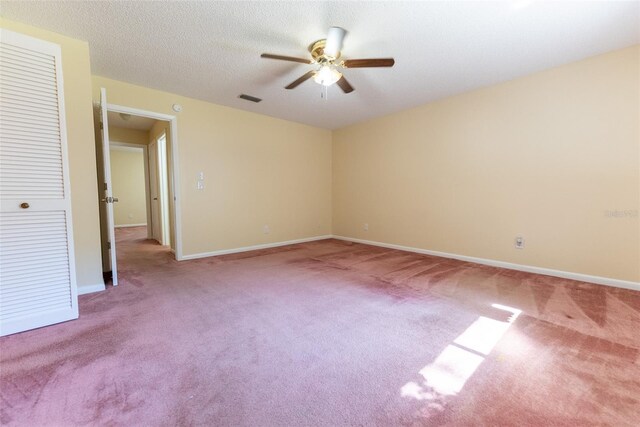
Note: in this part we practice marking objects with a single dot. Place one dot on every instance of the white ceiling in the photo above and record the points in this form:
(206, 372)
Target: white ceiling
(211, 50)
(129, 121)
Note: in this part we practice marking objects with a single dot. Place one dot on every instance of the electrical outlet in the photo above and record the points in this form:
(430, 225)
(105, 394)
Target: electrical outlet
(365, 227)
(266, 229)
(519, 242)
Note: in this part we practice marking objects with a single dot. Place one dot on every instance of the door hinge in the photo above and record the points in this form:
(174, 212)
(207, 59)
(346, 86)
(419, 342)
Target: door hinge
(109, 245)
(105, 186)
(101, 126)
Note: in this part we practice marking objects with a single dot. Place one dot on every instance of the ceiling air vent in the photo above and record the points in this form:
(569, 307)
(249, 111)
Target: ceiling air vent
(250, 98)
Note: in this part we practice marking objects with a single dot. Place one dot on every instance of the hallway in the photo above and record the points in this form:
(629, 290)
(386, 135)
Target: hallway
(137, 252)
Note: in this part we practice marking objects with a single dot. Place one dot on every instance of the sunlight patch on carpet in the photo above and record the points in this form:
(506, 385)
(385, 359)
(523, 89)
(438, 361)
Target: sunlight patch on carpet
(447, 375)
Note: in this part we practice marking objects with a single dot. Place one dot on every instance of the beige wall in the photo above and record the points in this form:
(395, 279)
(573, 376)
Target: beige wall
(128, 182)
(258, 171)
(82, 157)
(158, 128)
(130, 136)
(544, 156)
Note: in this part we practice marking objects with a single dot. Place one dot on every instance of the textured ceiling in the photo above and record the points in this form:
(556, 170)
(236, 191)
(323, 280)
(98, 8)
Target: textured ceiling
(211, 50)
(129, 121)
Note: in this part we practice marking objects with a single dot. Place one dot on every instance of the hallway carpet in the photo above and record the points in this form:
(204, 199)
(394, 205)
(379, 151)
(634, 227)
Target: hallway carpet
(328, 333)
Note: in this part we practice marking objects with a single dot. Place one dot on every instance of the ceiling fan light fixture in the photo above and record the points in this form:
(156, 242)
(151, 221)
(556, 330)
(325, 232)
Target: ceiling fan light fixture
(327, 75)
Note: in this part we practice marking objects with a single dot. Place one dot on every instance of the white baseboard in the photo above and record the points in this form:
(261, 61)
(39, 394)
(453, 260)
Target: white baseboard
(490, 262)
(131, 225)
(254, 248)
(508, 265)
(89, 289)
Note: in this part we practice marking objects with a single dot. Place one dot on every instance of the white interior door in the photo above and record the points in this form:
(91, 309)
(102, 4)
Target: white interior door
(38, 281)
(163, 192)
(108, 198)
(156, 224)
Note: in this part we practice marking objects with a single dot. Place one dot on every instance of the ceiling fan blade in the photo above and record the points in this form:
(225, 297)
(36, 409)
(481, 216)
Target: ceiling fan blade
(286, 58)
(365, 63)
(344, 85)
(335, 37)
(305, 77)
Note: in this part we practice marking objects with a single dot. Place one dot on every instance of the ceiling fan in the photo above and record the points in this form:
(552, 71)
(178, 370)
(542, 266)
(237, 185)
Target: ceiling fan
(326, 53)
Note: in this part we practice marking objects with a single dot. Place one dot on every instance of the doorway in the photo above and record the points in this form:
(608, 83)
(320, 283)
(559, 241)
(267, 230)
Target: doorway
(137, 173)
(129, 171)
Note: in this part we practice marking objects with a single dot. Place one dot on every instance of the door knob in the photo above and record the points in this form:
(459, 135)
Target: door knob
(24, 205)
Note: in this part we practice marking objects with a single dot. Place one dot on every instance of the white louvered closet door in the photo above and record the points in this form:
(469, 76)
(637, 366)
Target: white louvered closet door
(37, 271)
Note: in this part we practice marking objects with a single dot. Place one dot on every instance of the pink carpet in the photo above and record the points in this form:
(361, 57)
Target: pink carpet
(328, 333)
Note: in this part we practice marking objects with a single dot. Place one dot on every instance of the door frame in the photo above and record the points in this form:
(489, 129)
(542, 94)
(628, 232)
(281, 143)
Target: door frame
(154, 190)
(163, 193)
(174, 177)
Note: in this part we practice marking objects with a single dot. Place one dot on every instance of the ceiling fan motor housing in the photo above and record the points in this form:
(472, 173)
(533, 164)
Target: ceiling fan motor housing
(318, 55)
